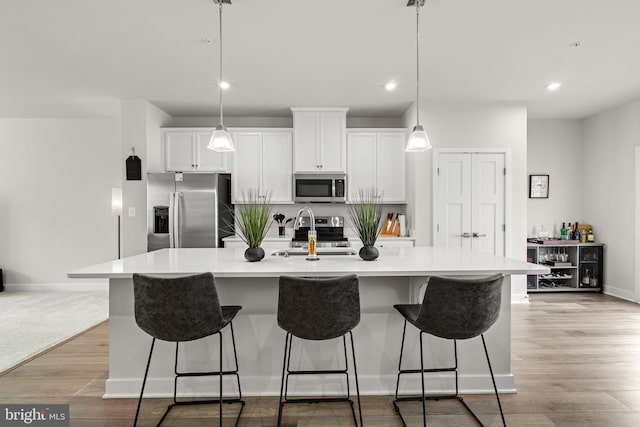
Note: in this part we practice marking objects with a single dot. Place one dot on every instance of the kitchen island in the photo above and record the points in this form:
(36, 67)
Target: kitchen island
(397, 276)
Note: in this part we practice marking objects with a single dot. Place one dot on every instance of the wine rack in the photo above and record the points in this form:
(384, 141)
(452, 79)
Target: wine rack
(577, 267)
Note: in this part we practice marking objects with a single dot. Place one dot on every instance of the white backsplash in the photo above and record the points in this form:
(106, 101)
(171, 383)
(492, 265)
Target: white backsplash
(328, 209)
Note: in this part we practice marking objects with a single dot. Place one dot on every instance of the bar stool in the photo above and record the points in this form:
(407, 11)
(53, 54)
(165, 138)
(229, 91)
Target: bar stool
(184, 309)
(455, 309)
(318, 309)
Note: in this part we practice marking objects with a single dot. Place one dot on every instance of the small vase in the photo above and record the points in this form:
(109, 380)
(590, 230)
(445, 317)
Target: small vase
(368, 253)
(254, 254)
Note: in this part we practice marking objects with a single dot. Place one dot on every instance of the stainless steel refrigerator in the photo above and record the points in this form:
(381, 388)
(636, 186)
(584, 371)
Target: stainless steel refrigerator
(188, 210)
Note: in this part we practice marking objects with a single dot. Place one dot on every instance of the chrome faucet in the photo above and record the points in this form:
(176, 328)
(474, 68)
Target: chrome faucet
(296, 225)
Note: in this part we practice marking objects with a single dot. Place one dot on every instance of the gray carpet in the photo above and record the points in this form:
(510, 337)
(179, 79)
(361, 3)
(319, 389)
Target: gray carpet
(34, 321)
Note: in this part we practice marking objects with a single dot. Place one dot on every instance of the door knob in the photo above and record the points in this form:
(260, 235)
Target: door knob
(479, 235)
(466, 235)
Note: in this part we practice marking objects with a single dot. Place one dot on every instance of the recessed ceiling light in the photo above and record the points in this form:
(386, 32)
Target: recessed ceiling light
(553, 86)
(390, 86)
(224, 85)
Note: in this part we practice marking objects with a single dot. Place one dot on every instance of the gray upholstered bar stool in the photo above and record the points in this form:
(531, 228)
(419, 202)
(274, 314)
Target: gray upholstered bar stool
(455, 309)
(318, 309)
(184, 309)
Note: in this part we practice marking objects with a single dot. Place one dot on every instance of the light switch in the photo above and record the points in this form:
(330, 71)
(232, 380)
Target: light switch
(132, 211)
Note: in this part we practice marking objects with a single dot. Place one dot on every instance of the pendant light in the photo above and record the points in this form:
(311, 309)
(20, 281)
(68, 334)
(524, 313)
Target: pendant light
(418, 139)
(221, 138)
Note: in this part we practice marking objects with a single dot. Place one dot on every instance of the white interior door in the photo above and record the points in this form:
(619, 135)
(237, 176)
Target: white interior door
(453, 222)
(471, 201)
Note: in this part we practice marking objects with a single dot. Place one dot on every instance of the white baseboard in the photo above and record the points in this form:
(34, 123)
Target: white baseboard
(520, 299)
(58, 287)
(334, 385)
(619, 293)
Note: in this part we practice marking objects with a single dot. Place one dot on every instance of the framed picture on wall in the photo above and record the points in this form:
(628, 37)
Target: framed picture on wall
(538, 186)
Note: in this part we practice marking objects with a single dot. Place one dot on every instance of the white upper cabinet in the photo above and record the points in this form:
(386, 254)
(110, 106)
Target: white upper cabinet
(319, 139)
(209, 160)
(262, 162)
(186, 151)
(376, 158)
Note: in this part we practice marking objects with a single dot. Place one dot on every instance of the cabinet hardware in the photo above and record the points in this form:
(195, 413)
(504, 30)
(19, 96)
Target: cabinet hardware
(479, 235)
(465, 235)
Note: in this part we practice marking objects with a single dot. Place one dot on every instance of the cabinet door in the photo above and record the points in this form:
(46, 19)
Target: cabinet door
(276, 166)
(332, 142)
(209, 160)
(361, 169)
(179, 151)
(305, 139)
(391, 168)
(247, 163)
(388, 243)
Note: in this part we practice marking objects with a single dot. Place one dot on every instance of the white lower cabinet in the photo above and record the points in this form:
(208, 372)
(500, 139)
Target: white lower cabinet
(376, 158)
(268, 245)
(356, 244)
(186, 151)
(263, 162)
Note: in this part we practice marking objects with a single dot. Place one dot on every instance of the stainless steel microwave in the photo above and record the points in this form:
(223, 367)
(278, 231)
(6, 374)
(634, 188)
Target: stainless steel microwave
(320, 188)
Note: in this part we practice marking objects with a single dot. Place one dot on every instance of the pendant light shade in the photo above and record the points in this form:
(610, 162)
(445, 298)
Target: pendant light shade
(221, 138)
(418, 139)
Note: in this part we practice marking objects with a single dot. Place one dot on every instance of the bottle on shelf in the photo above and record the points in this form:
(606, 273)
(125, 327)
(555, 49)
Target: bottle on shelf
(563, 232)
(586, 278)
(583, 236)
(590, 236)
(576, 232)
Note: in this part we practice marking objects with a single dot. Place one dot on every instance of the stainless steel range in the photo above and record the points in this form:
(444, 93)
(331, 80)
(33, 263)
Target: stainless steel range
(330, 230)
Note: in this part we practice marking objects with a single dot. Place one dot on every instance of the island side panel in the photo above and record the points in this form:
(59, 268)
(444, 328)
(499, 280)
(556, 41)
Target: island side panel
(260, 344)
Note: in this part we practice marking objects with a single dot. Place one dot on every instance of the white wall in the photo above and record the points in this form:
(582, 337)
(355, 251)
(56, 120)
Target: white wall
(609, 141)
(141, 123)
(283, 122)
(469, 126)
(56, 177)
(554, 148)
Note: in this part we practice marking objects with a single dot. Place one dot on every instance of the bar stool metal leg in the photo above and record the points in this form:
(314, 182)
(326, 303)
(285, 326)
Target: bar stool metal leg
(355, 371)
(221, 373)
(144, 381)
(495, 388)
(286, 372)
(284, 369)
(423, 398)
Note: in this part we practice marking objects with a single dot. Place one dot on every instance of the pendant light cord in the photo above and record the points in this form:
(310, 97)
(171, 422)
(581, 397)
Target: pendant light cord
(220, 81)
(418, 62)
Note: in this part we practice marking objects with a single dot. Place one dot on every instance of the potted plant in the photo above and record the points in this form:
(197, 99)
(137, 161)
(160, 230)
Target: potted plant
(366, 220)
(253, 221)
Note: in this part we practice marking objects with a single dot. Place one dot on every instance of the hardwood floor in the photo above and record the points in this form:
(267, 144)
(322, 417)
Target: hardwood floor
(576, 358)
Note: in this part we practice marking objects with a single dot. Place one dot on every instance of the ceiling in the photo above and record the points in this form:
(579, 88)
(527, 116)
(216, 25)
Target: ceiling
(70, 57)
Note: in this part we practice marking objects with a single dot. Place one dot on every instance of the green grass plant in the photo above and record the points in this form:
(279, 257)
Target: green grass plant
(253, 217)
(366, 215)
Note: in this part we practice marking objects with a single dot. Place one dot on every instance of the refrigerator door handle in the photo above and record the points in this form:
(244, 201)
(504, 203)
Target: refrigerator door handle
(171, 218)
(176, 221)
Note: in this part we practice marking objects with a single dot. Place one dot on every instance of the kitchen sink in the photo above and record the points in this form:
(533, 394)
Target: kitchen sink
(319, 251)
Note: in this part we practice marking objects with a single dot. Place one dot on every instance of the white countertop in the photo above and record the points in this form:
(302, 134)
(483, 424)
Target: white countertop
(410, 261)
(287, 238)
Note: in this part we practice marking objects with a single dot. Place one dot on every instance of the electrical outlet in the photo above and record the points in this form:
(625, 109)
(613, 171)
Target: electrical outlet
(132, 211)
